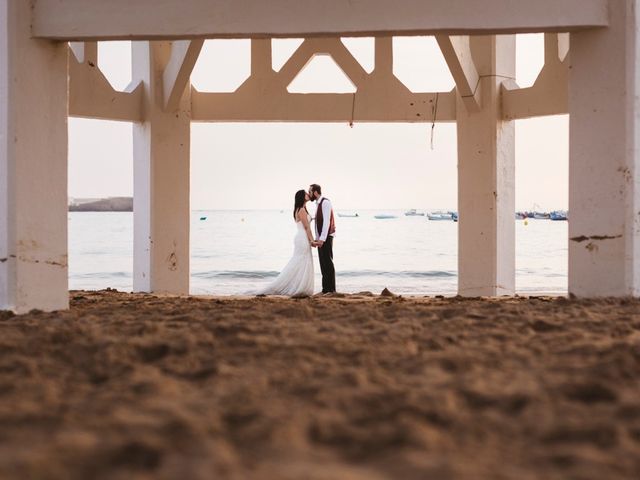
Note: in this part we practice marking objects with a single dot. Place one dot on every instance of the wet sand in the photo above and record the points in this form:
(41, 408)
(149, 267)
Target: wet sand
(361, 387)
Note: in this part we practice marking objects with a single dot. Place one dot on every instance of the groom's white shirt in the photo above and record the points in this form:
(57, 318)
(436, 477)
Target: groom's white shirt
(326, 216)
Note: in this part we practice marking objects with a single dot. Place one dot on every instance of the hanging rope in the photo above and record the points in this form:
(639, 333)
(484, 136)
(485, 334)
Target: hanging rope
(353, 108)
(434, 114)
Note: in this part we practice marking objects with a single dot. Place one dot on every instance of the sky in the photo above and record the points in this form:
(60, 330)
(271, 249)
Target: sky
(377, 166)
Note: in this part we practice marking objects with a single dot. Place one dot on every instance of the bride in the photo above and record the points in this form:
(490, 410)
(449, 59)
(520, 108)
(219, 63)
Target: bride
(296, 278)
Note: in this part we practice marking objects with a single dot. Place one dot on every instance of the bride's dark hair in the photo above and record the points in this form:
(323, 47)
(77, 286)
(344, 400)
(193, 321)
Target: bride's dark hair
(299, 202)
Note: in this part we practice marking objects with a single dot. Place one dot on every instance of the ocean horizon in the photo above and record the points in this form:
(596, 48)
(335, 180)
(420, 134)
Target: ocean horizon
(234, 252)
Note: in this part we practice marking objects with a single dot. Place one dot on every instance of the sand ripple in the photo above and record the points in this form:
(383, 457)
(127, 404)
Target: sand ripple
(355, 387)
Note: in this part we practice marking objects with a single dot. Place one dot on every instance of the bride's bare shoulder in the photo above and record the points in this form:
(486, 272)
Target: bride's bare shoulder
(302, 216)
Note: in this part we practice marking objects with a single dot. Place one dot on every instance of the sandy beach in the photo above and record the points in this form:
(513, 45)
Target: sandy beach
(126, 386)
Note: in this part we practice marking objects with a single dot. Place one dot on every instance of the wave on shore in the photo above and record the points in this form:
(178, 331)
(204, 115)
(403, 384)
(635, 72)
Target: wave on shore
(259, 274)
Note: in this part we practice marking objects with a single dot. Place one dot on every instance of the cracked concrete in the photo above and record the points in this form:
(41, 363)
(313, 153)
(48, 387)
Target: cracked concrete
(583, 238)
(172, 260)
(3, 260)
(62, 264)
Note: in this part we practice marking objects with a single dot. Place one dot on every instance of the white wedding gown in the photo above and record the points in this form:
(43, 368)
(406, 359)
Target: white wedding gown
(296, 278)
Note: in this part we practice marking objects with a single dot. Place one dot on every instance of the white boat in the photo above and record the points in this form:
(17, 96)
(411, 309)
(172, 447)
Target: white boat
(439, 216)
(540, 216)
(385, 216)
(348, 215)
(414, 213)
(559, 215)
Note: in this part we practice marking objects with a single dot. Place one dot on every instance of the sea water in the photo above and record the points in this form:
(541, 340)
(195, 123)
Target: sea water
(234, 252)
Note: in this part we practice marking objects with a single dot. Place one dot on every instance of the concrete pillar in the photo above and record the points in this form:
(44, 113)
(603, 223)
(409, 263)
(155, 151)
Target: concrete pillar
(161, 147)
(33, 166)
(604, 203)
(486, 177)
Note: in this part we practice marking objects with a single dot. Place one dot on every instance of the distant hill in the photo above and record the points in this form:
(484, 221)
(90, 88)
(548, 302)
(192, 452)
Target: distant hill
(111, 204)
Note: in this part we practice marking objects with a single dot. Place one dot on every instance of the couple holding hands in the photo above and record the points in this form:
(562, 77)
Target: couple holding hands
(297, 277)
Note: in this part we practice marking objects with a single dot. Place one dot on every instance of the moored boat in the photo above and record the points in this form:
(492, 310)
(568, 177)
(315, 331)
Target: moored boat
(558, 215)
(413, 213)
(540, 215)
(440, 216)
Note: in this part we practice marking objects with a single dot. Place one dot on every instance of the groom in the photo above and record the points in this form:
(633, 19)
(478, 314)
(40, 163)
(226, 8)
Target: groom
(325, 230)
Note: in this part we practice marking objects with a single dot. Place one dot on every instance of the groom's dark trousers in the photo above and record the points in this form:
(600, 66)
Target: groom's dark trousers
(325, 254)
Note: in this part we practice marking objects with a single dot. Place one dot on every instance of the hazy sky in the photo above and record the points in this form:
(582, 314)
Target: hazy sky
(384, 166)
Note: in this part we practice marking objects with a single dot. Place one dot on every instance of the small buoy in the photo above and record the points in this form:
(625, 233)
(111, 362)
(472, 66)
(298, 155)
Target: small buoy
(203, 218)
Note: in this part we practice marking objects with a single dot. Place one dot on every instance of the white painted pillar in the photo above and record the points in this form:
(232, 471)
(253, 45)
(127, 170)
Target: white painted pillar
(604, 181)
(161, 147)
(486, 177)
(33, 166)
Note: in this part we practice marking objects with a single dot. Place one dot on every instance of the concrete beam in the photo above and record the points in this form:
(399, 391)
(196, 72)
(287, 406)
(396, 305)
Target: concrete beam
(184, 55)
(85, 52)
(379, 96)
(261, 58)
(383, 64)
(180, 19)
(457, 53)
(92, 96)
(549, 94)
(371, 104)
(322, 46)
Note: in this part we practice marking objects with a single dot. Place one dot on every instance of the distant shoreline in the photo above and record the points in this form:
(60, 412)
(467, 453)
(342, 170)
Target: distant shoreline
(112, 204)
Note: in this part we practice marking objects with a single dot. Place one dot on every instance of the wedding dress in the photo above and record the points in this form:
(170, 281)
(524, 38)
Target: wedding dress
(296, 278)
